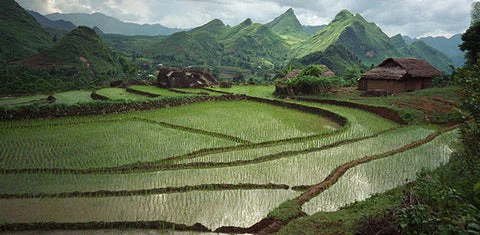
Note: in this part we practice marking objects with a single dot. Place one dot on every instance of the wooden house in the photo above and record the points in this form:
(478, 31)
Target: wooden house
(395, 75)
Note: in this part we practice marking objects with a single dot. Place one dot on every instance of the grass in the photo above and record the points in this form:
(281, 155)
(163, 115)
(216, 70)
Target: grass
(256, 91)
(342, 221)
(119, 94)
(198, 91)
(24, 100)
(73, 97)
(414, 107)
(156, 90)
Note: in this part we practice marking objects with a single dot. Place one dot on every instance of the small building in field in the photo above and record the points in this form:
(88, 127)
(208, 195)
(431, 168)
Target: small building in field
(396, 75)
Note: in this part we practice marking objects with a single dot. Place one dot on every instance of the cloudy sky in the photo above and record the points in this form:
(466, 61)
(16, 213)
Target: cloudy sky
(415, 18)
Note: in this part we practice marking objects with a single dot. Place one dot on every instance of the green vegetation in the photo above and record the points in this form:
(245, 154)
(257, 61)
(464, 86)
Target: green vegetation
(288, 27)
(287, 211)
(238, 161)
(119, 94)
(384, 174)
(155, 90)
(223, 207)
(21, 35)
(73, 97)
(169, 138)
(79, 61)
(68, 98)
(433, 105)
(24, 100)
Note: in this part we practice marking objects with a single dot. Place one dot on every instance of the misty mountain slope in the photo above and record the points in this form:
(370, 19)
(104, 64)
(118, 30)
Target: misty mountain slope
(113, 25)
(449, 46)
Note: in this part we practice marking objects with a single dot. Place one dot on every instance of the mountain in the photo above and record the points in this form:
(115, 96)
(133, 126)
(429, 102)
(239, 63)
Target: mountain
(439, 60)
(54, 24)
(80, 52)
(288, 27)
(20, 34)
(312, 30)
(335, 57)
(408, 39)
(250, 44)
(368, 43)
(366, 40)
(449, 46)
(113, 25)
(419, 49)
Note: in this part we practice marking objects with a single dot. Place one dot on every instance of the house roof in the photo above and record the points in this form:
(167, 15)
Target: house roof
(402, 68)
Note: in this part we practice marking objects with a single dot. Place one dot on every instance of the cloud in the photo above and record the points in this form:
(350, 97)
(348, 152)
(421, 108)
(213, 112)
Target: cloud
(409, 17)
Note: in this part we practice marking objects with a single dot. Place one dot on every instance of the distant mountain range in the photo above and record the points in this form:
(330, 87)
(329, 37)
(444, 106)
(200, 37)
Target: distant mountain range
(55, 24)
(348, 41)
(113, 25)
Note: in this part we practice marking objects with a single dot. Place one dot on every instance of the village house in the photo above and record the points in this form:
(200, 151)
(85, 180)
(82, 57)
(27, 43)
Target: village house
(396, 75)
(185, 78)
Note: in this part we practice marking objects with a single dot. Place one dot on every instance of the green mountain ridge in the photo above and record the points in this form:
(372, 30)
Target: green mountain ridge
(83, 52)
(288, 27)
(449, 46)
(348, 41)
(20, 34)
(55, 24)
(368, 43)
(419, 49)
(250, 45)
(366, 40)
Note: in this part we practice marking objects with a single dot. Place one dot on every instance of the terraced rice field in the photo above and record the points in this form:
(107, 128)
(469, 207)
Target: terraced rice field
(225, 163)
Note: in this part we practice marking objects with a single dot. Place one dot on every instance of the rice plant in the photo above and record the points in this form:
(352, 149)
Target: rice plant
(210, 208)
(381, 175)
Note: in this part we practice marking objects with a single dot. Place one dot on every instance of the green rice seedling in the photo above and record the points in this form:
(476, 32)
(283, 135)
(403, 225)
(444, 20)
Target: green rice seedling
(119, 94)
(384, 174)
(155, 90)
(255, 91)
(213, 209)
(96, 144)
(24, 100)
(253, 121)
(73, 97)
(302, 169)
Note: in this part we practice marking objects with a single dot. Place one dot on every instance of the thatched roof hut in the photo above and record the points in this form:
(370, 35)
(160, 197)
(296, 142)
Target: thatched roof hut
(187, 78)
(399, 75)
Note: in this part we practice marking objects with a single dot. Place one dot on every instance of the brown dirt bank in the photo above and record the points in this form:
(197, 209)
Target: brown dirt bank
(381, 111)
(150, 95)
(103, 225)
(143, 192)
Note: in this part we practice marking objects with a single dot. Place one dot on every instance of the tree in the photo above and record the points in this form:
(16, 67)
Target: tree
(352, 74)
(238, 78)
(475, 13)
(471, 43)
